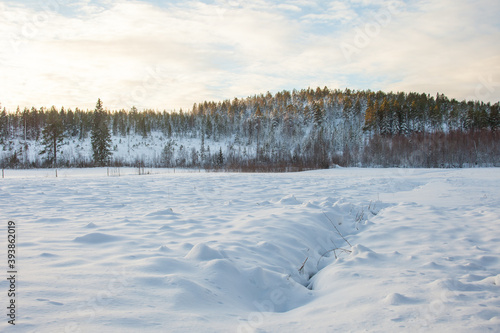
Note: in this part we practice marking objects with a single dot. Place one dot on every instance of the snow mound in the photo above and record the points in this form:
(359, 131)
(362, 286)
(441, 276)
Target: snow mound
(362, 252)
(450, 284)
(432, 265)
(165, 227)
(96, 238)
(164, 248)
(398, 299)
(289, 200)
(203, 252)
(488, 260)
(164, 212)
(165, 265)
(91, 225)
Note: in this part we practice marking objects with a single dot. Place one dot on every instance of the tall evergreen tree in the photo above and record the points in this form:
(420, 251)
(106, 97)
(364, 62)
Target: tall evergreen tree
(494, 116)
(258, 113)
(101, 138)
(52, 137)
(4, 125)
(384, 116)
(220, 158)
(168, 154)
(317, 115)
(370, 115)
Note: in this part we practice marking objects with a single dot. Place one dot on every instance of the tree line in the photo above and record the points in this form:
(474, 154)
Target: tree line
(289, 130)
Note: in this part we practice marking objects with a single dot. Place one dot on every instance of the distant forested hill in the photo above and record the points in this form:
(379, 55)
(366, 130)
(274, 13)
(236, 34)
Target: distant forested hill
(306, 129)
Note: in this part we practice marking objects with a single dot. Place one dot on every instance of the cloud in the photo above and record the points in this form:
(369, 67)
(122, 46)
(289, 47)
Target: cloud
(337, 11)
(171, 56)
(429, 47)
(111, 53)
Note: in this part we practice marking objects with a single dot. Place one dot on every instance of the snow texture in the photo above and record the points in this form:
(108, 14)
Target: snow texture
(380, 250)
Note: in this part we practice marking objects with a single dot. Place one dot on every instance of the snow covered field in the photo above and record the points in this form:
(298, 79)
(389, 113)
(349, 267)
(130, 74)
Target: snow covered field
(222, 252)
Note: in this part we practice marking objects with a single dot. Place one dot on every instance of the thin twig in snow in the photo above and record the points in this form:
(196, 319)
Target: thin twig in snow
(333, 224)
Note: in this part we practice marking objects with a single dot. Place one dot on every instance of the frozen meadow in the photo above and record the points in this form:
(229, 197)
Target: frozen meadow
(379, 250)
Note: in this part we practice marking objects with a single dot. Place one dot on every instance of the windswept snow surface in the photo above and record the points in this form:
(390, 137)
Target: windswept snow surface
(222, 252)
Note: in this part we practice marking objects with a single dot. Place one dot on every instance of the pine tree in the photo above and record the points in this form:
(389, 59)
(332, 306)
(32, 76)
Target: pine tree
(347, 107)
(258, 113)
(52, 137)
(435, 116)
(275, 120)
(101, 138)
(317, 114)
(370, 115)
(494, 118)
(208, 126)
(4, 125)
(168, 154)
(357, 107)
(384, 117)
(220, 158)
(398, 117)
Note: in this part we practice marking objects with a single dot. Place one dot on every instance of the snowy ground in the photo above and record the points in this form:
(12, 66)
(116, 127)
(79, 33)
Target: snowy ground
(220, 252)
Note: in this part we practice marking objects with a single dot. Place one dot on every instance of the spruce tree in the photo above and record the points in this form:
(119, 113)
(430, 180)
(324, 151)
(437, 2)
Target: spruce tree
(4, 125)
(220, 158)
(202, 149)
(317, 115)
(52, 137)
(168, 154)
(494, 118)
(384, 117)
(370, 116)
(258, 113)
(101, 138)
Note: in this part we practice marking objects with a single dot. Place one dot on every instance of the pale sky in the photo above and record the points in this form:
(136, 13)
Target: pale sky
(168, 55)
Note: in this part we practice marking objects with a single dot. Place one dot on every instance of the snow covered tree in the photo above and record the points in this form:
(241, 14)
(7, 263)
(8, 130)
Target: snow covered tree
(4, 125)
(202, 149)
(194, 157)
(494, 117)
(258, 113)
(101, 138)
(370, 115)
(168, 154)
(398, 120)
(357, 108)
(208, 127)
(317, 115)
(385, 118)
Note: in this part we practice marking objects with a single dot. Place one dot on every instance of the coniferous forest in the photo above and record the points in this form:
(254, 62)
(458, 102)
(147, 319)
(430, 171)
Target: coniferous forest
(287, 131)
